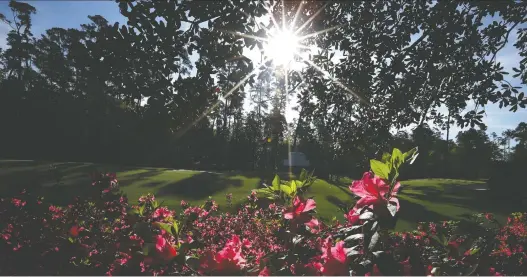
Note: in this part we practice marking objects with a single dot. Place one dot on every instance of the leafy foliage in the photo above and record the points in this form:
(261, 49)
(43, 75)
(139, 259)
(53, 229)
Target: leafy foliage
(168, 79)
(100, 233)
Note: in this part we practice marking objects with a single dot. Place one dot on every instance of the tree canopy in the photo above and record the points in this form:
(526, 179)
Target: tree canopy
(131, 93)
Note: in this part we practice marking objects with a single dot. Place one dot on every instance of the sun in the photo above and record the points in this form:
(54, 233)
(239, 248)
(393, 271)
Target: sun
(282, 47)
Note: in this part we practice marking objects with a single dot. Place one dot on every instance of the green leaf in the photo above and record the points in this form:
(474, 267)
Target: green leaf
(286, 189)
(297, 239)
(192, 262)
(295, 184)
(373, 241)
(276, 183)
(166, 227)
(354, 237)
(386, 157)
(133, 212)
(303, 175)
(266, 193)
(141, 210)
(392, 208)
(175, 228)
(380, 169)
(396, 159)
(351, 252)
(366, 216)
(393, 177)
(474, 251)
(70, 239)
(349, 229)
(146, 248)
(441, 239)
(411, 155)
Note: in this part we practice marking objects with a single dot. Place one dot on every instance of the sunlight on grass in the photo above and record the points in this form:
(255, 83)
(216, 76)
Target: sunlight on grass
(422, 200)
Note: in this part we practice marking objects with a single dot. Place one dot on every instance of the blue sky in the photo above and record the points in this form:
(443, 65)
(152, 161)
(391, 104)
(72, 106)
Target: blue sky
(71, 14)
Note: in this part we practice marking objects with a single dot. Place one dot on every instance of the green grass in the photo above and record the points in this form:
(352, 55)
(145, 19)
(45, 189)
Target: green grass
(421, 200)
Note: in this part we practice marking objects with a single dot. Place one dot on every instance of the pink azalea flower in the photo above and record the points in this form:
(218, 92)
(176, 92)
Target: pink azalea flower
(352, 216)
(407, 267)
(162, 213)
(373, 191)
(298, 214)
(18, 202)
(74, 231)
(164, 248)
(227, 261)
(335, 259)
(493, 272)
(265, 272)
(375, 271)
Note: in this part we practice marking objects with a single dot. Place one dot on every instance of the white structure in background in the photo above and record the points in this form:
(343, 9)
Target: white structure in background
(298, 159)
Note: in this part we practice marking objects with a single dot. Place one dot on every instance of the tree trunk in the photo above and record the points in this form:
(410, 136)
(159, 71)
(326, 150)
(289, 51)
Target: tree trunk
(295, 136)
(447, 154)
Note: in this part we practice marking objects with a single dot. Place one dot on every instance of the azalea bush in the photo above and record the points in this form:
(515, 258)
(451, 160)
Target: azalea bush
(101, 233)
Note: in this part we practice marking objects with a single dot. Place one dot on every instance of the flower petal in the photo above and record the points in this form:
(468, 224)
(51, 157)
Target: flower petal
(338, 252)
(366, 201)
(310, 205)
(357, 187)
(396, 188)
(396, 201)
(312, 223)
(288, 215)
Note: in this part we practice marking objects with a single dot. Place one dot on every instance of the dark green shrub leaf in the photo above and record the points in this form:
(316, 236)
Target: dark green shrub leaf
(354, 237)
(373, 241)
(366, 215)
(392, 208)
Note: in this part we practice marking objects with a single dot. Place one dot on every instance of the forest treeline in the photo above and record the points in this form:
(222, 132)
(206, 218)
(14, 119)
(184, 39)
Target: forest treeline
(130, 93)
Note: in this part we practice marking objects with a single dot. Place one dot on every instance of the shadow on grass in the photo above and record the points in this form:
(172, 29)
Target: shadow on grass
(343, 205)
(344, 189)
(481, 201)
(198, 186)
(152, 184)
(413, 212)
(147, 174)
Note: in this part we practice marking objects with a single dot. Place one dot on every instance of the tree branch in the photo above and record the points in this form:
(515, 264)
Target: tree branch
(425, 35)
(505, 42)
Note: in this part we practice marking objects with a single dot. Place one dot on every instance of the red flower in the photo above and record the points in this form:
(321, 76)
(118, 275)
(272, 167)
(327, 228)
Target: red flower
(492, 272)
(311, 269)
(147, 198)
(407, 268)
(373, 191)
(300, 207)
(428, 270)
(374, 272)
(164, 248)
(74, 231)
(227, 261)
(298, 214)
(18, 202)
(489, 216)
(265, 272)
(454, 244)
(162, 213)
(335, 259)
(352, 216)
